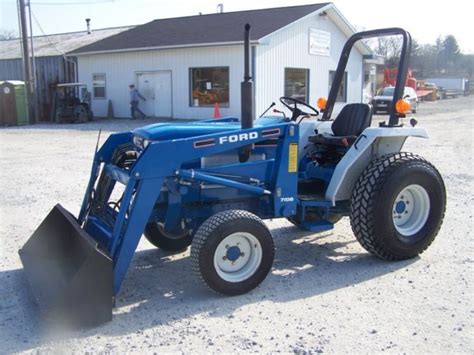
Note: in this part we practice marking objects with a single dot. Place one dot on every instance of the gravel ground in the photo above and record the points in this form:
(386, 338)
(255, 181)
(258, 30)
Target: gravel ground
(324, 294)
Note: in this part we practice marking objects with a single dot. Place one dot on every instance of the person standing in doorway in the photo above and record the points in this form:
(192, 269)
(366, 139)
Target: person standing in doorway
(135, 97)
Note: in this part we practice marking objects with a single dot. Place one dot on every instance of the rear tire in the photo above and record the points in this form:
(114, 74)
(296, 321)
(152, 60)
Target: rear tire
(397, 206)
(232, 252)
(157, 236)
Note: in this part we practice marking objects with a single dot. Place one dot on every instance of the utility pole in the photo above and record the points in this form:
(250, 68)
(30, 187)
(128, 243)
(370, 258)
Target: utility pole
(33, 67)
(26, 60)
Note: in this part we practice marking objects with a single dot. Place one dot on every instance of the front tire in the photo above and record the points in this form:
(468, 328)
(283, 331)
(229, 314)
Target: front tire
(232, 252)
(397, 206)
(157, 236)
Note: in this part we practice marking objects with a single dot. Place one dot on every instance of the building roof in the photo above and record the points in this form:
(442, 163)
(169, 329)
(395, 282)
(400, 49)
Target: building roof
(57, 44)
(211, 29)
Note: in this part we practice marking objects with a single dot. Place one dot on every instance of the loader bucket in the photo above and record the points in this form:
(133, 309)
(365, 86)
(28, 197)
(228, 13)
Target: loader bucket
(70, 276)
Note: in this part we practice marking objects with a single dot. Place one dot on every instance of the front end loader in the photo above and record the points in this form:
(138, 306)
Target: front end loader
(210, 184)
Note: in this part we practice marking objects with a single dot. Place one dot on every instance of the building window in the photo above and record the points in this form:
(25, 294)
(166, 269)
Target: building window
(98, 86)
(297, 83)
(342, 93)
(209, 86)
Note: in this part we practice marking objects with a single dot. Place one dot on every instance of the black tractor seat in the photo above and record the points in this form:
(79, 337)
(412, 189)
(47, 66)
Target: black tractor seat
(348, 125)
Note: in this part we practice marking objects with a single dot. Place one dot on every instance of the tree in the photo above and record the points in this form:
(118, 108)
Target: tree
(388, 47)
(7, 34)
(450, 54)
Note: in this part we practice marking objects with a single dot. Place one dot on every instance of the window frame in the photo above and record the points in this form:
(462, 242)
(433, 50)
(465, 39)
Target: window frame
(345, 83)
(307, 79)
(190, 91)
(99, 86)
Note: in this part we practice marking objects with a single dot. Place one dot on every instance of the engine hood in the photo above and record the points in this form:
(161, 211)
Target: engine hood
(165, 131)
(172, 130)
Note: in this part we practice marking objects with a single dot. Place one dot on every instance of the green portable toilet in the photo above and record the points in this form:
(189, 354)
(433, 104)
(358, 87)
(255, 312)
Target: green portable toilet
(13, 110)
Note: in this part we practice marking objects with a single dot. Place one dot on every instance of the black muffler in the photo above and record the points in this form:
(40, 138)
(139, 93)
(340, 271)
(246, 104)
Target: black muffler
(246, 96)
(71, 277)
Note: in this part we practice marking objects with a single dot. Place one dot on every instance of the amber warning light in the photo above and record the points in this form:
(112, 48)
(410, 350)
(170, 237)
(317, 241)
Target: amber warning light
(402, 106)
(321, 103)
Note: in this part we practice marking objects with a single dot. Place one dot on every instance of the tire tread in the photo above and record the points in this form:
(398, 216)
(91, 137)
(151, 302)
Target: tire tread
(207, 228)
(367, 186)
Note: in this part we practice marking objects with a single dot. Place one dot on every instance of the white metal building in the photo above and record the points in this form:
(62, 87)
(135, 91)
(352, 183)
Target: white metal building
(50, 64)
(184, 65)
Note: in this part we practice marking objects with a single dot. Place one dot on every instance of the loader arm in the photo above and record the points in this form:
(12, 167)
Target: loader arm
(144, 181)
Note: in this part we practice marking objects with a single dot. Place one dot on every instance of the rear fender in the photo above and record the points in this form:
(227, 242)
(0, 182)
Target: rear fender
(373, 143)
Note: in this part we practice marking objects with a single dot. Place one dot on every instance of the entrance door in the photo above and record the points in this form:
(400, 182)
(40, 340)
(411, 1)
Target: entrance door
(156, 88)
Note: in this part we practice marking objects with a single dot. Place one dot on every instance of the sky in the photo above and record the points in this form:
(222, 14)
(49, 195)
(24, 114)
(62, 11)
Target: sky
(426, 20)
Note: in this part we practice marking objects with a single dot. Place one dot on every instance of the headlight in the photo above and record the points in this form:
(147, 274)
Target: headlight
(138, 141)
(141, 142)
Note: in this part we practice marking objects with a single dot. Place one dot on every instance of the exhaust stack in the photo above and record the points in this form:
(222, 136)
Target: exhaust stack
(246, 95)
(88, 23)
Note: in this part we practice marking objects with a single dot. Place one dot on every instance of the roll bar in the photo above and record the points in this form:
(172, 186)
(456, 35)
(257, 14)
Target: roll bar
(401, 76)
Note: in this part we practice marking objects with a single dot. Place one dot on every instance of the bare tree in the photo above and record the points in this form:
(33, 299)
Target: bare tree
(387, 47)
(7, 34)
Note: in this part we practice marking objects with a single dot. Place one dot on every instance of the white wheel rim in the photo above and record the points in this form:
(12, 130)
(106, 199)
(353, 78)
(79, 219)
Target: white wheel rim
(411, 210)
(237, 257)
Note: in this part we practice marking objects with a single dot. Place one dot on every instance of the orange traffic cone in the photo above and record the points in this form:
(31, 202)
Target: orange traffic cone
(217, 113)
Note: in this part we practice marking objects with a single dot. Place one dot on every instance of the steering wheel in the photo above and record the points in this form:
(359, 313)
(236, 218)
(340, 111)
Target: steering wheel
(296, 112)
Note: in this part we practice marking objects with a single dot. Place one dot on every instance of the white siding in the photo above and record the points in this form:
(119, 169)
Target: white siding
(289, 48)
(121, 69)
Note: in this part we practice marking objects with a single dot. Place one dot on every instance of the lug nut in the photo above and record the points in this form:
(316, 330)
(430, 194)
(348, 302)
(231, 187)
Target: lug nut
(242, 254)
(224, 257)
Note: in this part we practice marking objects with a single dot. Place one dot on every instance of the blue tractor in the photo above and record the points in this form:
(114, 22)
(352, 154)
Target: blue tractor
(210, 184)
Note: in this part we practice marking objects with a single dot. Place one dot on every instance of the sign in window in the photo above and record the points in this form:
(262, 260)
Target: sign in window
(209, 86)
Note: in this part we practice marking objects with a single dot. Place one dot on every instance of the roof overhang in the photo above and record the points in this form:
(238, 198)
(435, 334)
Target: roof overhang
(178, 46)
(338, 18)
(374, 59)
